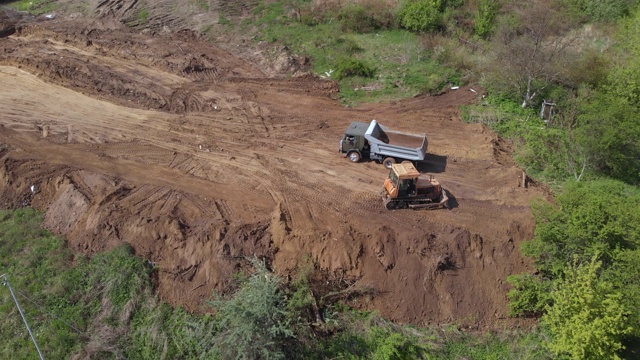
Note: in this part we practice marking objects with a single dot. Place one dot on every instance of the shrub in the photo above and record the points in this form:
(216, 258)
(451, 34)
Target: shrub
(393, 346)
(366, 17)
(353, 67)
(356, 18)
(143, 16)
(587, 320)
(530, 295)
(254, 322)
(599, 10)
(485, 18)
(422, 15)
(591, 217)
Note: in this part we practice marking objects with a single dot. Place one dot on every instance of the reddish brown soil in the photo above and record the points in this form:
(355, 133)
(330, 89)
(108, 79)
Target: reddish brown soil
(199, 160)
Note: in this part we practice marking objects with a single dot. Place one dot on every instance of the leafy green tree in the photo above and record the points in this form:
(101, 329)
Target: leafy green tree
(254, 323)
(624, 273)
(486, 17)
(422, 15)
(599, 10)
(555, 154)
(591, 217)
(609, 129)
(608, 125)
(530, 295)
(588, 319)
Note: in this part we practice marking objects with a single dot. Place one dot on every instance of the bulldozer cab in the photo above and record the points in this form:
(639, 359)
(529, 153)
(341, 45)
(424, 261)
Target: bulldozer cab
(402, 180)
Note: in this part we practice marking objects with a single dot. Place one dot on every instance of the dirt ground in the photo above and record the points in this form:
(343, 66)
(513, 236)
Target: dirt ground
(201, 159)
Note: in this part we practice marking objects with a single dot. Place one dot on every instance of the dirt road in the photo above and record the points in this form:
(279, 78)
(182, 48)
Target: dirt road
(199, 160)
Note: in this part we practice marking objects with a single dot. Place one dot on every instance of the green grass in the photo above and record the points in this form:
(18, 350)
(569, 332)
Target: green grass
(35, 7)
(404, 68)
(202, 5)
(143, 16)
(68, 299)
(493, 346)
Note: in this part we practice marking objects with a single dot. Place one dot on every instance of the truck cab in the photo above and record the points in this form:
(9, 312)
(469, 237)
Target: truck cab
(353, 143)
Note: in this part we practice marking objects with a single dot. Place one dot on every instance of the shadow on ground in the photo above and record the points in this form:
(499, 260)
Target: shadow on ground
(433, 164)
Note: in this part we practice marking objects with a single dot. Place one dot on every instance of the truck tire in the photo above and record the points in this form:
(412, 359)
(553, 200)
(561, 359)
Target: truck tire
(354, 156)
(388, 162)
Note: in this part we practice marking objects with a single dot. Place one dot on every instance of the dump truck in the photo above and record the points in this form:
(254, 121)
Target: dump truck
(375, 142)
(407, 188)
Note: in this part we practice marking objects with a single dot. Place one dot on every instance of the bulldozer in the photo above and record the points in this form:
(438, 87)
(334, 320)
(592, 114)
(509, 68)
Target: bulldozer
(407, 188)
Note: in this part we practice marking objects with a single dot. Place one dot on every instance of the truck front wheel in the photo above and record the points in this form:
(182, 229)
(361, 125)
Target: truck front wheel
(354, 156)
(388, 162)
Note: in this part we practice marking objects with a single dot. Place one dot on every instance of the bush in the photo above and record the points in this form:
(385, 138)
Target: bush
(366, 17)
(624, 274)
(530, 295)
(587, 320)
(356, 18)
(393, 346)
(591, 217)
(485, 18)
(600, 10)
(254, 323)
(422, 15)
(353, 67)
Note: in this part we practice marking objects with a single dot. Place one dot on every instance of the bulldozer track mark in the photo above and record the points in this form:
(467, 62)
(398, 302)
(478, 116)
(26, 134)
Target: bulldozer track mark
(225, 211)
(178, 160)
(171, 202)
(204, 208)
(148, 194)
(80, 185)
(119, 193)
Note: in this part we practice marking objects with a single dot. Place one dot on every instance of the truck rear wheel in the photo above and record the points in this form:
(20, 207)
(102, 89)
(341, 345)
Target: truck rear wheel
(388, 162)
(354, 156)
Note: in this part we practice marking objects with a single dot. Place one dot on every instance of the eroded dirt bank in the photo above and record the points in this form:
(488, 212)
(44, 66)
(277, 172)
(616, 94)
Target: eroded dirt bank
(199, 160)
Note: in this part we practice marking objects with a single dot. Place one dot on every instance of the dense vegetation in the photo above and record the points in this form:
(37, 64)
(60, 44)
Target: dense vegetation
(579, 55)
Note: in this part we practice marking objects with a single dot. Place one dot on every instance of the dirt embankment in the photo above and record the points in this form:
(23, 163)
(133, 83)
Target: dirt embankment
(199, 160)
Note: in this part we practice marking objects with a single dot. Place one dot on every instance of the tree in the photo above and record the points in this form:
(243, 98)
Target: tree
(485, 17)
(529, 296)
(624, 273)
(555, 153)
(532, 50)
(592, 217)
(609, 130)
(587, 319)
(608, 125)
(254, 323)
(599, 10)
